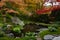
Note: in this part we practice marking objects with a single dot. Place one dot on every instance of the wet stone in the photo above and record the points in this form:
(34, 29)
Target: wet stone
(56, 38)
(10, 35)
(48, 37)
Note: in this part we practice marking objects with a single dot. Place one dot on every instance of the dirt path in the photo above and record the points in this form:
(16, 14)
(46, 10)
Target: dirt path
(38, 38)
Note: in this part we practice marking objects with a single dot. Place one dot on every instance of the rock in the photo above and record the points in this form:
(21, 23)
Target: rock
(17, 37)
(42, 29)
(8, 26)
(10, 35)
(16, 20)
(48, 37)
(56, 38)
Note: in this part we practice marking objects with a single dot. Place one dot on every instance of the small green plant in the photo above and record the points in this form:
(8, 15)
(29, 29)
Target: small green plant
(17, 28)
(2, 34)
(30, 36)
(4, 27)
(53, 27)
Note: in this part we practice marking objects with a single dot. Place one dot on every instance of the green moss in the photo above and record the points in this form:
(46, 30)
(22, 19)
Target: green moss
(44, 33)
(7, 38)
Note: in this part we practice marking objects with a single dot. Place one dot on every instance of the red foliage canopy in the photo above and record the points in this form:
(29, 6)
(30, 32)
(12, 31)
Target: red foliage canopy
(44, 10)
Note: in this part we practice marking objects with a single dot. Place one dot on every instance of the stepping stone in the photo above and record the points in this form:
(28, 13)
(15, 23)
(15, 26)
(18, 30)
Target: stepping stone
(56, 38)
(48, 37)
